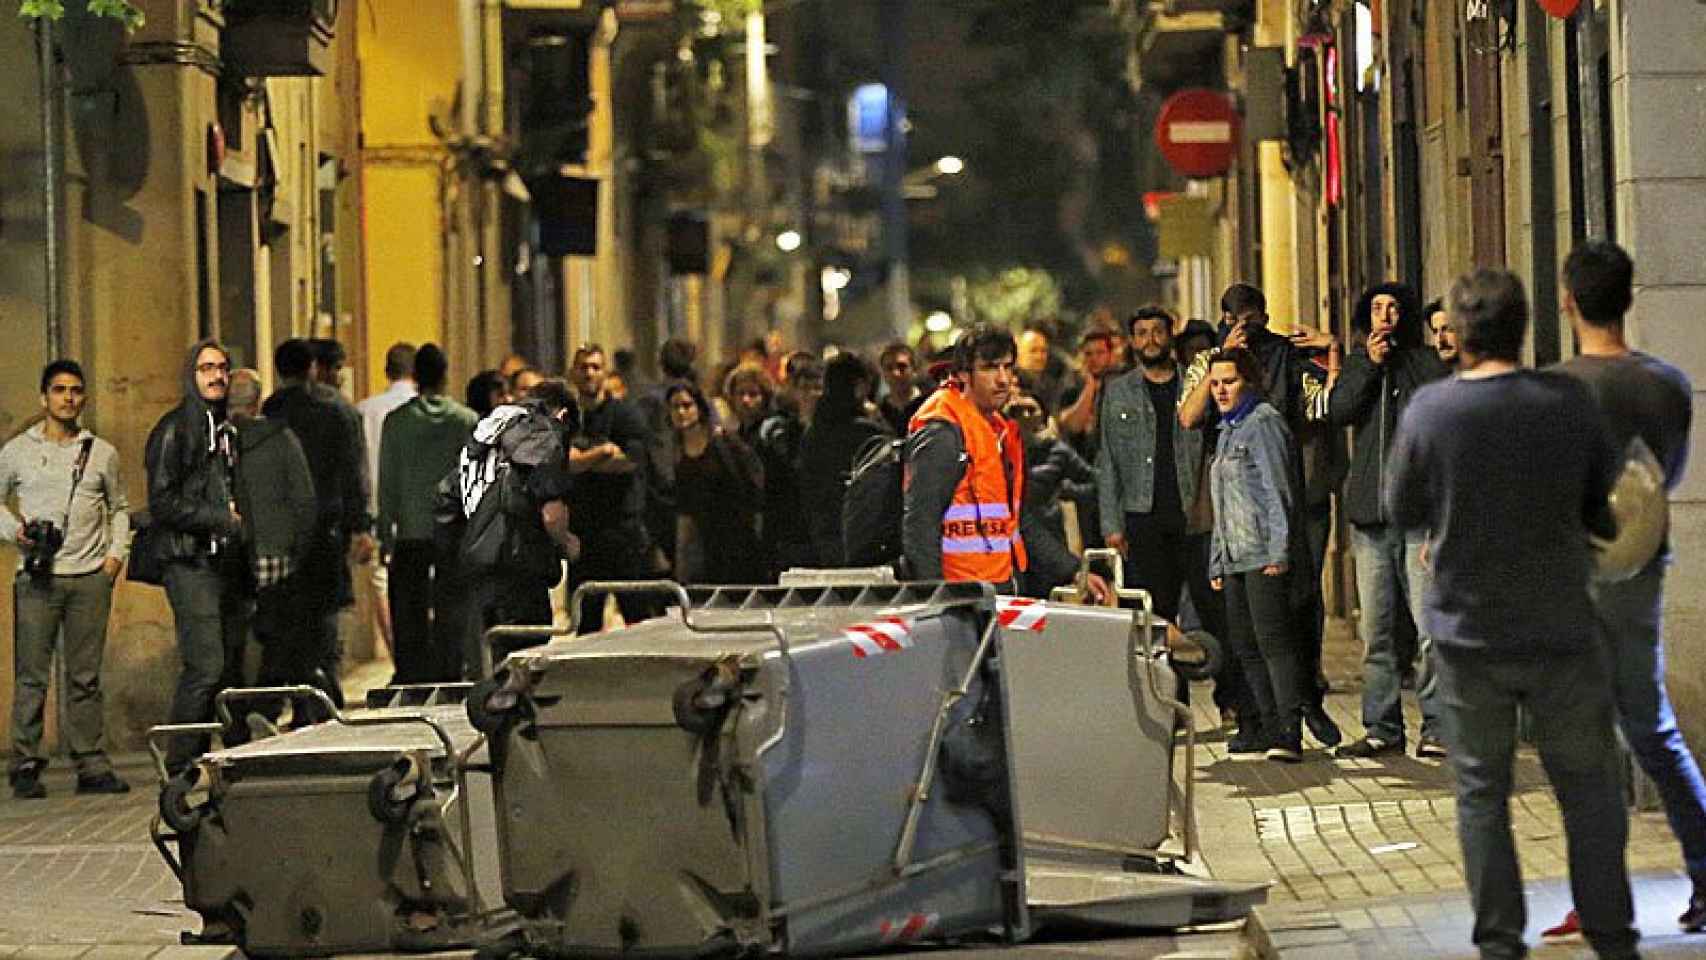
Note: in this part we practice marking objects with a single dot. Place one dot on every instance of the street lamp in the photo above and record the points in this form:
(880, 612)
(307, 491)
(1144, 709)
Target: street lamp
(950, 166)
(789, 240)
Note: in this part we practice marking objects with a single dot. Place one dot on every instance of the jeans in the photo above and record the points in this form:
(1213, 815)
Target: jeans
(426, 614)
(207, 607)
(1264, 638)
(1391, 580)
(79, 605)
(1165, 560)
(290, 650)
(503, 600)
(1631, 624)
(1572, 705)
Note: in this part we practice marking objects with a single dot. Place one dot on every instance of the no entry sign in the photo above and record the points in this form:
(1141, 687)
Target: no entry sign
(1198, 132)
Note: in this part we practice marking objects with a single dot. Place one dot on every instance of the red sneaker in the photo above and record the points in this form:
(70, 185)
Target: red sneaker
(1569, 930)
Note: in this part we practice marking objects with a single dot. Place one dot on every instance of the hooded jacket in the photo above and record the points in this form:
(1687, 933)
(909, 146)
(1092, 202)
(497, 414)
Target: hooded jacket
(275, 493)
(419, 445)
(1370, 397)
(190, 455)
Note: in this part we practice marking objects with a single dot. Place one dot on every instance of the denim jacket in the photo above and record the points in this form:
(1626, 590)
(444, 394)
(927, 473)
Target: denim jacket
(1125, 463)
(1254, 485)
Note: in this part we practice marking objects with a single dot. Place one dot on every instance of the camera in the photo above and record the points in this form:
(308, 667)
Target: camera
(45, 538)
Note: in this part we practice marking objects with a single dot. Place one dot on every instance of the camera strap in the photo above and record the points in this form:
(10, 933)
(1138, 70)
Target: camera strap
(77, 469)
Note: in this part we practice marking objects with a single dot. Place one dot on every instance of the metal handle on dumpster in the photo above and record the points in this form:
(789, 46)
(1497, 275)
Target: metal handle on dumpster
(927, 776)
(222, 700)
(166, 731)
(616, 587)
(1142, 645)
(458, 774)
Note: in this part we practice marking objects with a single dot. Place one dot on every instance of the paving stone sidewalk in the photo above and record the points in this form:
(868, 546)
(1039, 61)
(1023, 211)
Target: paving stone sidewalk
(1364, 853)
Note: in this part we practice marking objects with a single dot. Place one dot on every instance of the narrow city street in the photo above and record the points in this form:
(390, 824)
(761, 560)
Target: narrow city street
(1363, 855)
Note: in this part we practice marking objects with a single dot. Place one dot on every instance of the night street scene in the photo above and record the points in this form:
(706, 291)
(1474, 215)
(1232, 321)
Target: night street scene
(726, 479)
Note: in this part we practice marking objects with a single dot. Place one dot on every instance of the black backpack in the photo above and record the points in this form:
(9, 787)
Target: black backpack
(871, 511)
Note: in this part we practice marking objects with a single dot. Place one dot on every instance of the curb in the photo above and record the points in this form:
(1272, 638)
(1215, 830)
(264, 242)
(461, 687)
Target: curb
(1277, 932)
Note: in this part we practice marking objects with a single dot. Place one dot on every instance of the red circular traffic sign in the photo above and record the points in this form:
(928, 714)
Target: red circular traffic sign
(1198, 132)
(1562, 9)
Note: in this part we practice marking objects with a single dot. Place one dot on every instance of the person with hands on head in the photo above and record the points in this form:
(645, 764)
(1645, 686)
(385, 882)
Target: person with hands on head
(1258, 558)
(64, 476)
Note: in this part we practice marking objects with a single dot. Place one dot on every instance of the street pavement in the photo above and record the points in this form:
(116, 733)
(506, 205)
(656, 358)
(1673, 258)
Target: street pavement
(1363, 856)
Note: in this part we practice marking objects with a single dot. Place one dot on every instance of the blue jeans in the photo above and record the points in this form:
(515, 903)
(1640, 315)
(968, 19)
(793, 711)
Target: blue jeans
(1631, 625)
(1572, 707)
(1391, 580)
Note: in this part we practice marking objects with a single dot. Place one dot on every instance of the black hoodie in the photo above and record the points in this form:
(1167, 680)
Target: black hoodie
(1370, 397)
(190, 456)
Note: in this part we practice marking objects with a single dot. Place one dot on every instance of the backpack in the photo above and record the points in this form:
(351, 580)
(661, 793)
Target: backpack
(485, 511)
(875, 502)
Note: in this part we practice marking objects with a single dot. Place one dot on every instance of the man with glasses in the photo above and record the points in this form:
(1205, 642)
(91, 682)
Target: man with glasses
(192, 461)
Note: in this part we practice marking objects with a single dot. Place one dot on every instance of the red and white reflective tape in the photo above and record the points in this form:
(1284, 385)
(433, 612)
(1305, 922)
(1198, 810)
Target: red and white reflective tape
(915, 927)
(1021, 613)
(888, 635)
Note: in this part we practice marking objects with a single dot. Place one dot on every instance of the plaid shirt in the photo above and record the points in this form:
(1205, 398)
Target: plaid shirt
(272, 571)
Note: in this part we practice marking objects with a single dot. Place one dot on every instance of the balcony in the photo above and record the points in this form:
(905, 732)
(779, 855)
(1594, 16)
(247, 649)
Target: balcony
(278, 38)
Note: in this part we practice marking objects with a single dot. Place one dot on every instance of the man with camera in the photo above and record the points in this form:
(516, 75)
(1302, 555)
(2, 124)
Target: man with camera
(72, 527)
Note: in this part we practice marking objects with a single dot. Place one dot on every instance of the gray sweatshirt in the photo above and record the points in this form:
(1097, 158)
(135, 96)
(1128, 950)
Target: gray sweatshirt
(38, 471)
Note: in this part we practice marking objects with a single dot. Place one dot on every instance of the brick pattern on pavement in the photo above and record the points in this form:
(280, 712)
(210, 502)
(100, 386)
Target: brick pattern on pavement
(1364, 853)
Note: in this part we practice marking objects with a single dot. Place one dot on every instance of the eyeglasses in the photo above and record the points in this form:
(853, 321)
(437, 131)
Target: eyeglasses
(212, 368)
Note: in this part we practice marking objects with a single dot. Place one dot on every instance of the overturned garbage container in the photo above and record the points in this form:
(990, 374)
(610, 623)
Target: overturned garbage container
(802, 770)
(371, 831)
(1106, 807)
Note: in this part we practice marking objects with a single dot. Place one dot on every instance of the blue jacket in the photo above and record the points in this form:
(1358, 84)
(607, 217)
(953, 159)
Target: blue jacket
(1125, 463)
(1254, 482)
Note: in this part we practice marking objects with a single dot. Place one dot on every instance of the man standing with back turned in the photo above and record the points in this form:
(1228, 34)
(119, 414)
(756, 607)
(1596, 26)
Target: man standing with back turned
(1643, 397)
(1509, 611)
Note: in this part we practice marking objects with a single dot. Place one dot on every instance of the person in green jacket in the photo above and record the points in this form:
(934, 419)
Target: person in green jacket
(417, 448)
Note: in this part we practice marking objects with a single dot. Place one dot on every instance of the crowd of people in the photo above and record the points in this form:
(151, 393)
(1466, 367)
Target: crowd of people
(1209, 456)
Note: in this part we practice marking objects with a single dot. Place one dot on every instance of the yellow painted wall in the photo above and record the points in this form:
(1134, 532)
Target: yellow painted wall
(410, 66)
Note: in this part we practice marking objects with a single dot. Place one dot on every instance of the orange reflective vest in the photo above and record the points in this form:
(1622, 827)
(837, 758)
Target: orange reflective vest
(980, 530)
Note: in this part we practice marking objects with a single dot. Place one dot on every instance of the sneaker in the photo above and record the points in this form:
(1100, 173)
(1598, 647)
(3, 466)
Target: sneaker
(26, 784)
(108, 782)
(1431, 748)
(1566, 932)
(1368, 747)
(1247, 741)
(1285, 753)
(1693, 920)
(1321, 726)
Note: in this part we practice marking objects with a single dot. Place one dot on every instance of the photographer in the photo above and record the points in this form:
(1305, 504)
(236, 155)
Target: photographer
(73, 535)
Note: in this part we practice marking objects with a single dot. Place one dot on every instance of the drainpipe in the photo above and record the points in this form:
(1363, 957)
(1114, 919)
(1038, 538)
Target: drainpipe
(55, 332)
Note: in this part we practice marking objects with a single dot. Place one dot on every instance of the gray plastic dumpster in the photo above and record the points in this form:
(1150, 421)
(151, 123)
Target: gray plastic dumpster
(369, 832)
(1105, 811)
(759, 775)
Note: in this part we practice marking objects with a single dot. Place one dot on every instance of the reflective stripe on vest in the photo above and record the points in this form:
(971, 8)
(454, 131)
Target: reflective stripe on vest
(980, 528)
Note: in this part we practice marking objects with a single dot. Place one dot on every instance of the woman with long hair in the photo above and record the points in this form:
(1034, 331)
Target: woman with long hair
(719, 489)
(1258, 556)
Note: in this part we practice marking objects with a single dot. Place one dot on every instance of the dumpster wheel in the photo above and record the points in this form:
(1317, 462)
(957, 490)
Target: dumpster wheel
(382, 800)
(175, 807)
